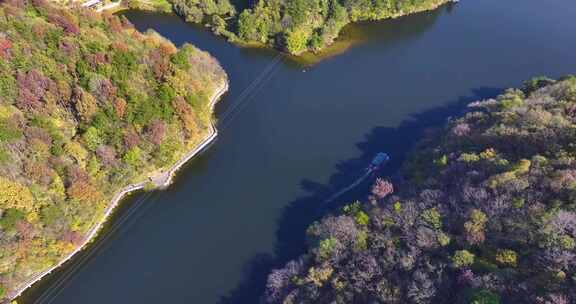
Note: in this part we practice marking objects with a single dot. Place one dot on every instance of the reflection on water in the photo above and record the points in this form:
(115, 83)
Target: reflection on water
(310, 207)
(384, 30)
(301, 134)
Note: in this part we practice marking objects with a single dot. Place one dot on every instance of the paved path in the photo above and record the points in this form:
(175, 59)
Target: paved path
(108, 6)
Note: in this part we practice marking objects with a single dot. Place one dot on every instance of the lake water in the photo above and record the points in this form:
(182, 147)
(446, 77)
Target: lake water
(299, 134)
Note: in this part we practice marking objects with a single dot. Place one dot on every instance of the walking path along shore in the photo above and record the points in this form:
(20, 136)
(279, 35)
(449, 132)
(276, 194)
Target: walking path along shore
(163, 179)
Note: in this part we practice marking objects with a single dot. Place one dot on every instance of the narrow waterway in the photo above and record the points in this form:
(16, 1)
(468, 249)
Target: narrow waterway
(301, 134)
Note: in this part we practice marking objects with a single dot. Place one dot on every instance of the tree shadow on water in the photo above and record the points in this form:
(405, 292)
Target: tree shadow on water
(299, 214)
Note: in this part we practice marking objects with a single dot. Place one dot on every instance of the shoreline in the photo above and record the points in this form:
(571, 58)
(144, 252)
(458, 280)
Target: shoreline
(341, 44)
(115, 201)
(347, 38)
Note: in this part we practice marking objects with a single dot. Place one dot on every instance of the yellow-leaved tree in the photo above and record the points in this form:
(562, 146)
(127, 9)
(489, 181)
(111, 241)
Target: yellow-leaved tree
(15, 195)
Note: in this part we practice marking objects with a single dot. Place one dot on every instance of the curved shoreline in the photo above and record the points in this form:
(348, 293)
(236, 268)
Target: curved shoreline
(93, 232)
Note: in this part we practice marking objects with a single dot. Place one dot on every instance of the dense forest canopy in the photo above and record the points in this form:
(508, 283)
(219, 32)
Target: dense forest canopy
(302, 25)
(294, 26)
(204, 11)
(483, 213)
(87, 106)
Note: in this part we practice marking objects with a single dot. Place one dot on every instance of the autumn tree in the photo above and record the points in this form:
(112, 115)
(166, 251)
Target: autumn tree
(15, 195)
(474, 227)
(156, 131)
(84, 104)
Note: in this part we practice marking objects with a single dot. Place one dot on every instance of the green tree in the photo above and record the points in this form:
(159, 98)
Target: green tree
(8, 133)
(362, 218)
(253, 27)
(462, 258)
(296, 41)
(133, 157)
(326, 247)
(92, 138)
(432, 217)
(507, 257)
(484, 296)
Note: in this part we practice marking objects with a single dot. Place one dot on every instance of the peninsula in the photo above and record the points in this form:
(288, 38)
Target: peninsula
(90, 109)
(484, 213)
(293, 26)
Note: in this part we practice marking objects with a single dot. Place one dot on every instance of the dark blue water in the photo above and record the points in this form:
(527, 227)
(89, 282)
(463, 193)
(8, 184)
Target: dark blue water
(243, 207)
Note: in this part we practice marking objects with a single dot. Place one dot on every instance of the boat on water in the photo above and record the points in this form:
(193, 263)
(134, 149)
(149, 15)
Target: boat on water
(380, 159)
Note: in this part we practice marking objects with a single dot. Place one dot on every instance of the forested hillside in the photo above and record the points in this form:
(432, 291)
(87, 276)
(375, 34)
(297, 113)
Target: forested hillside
(294, 26)
(87, 106)
(484, 213)
(297, 26)
(204, 11)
